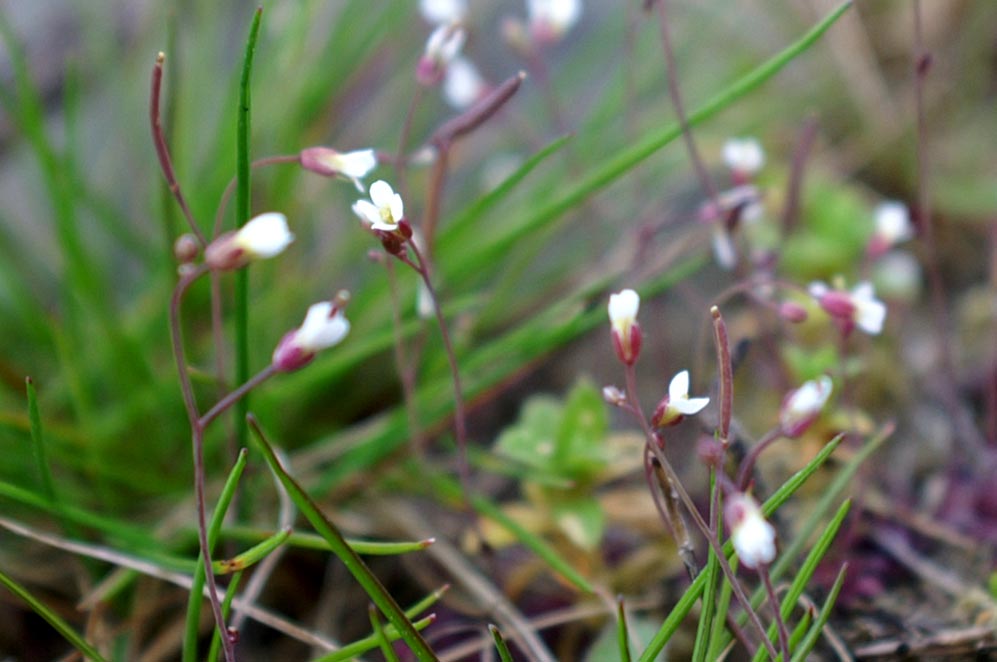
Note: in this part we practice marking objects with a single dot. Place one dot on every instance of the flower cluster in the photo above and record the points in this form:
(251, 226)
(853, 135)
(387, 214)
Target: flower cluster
(858, 308)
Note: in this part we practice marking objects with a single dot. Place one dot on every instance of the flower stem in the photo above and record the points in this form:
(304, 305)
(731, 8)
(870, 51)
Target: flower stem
(748, 463)
(460, 416)
(774, 603)
(197, 434)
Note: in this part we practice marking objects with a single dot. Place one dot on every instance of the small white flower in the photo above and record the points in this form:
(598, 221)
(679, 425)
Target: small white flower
(860, 307)
(384, 209)
(752, 536)
(353, 165)
(441, 48)
(462, 84)
(893, 223)
(626, 332)
(443, 11)
(262, 237)
(802, 406)
(870, 312)
(677, 404)
(551, 19)
(623, 309)
(744, 155)
(324, 326)
(678, 395)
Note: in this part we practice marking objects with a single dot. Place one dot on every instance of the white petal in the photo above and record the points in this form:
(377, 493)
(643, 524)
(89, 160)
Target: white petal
(443, 11)
(358, 163)
(623, 307)
(463, 85)
(678, 389)
(689, 406)
(367, 212)
(397, 208)
(744, 155)
(381, 194)
(870, 315)
(893, 222)
(319, 330)
(265, 235)
(818, 289)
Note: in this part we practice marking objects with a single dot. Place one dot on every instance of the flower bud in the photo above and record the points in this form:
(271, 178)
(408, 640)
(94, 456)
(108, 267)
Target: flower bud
(614, 396)
(324, 326)
(263, 236)
(186, 248)
(327, 162)
(626, 332)
(792, 312)
(801, 407)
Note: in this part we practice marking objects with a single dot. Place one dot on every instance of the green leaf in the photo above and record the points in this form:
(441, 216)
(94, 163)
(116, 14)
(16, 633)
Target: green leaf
(581, 519)
(607, 646)
(581, 437)
(532, 440)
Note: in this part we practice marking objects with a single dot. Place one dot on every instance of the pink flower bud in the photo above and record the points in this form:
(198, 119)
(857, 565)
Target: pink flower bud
(792, 312)
(626, 332)
(614, 396)
(262, 237)
(186, 248)
(324, 326)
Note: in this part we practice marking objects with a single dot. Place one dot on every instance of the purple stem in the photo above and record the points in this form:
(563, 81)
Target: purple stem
(774, 603)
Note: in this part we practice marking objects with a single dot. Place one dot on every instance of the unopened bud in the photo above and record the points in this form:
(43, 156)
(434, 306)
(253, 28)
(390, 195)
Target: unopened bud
(710, 451)
(186, 248)
(792, 312)
(614, 396)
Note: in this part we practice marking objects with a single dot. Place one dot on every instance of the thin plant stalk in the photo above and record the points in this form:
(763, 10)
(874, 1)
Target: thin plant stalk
(400, 161)
(748, 463)
(422, 267)
(777, 613)
(406, 369)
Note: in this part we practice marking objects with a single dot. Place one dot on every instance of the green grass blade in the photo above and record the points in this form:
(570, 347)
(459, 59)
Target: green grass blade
(253, 555)
(312, 541)
(197, 589)
(56, 621)
(370, 583)
(810, 640)
(242, 211)
(500, 645)
(622, 631)
(382, 640)
(361, 646)
(707, 613)
(38, 442)
(215, 650)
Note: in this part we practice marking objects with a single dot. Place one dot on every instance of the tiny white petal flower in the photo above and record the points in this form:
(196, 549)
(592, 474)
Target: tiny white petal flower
(443, 11)
(551, 19)
(744, 155)
(623, 309)
(462, 85)
(802, 406)
(752, 536)
(442, 47)
(626, 332)
(324, 326)
(264, 236)
(893, 223)
(678, 396)
(384, 209)
(353, 165)
(818, 289)
(870, 312)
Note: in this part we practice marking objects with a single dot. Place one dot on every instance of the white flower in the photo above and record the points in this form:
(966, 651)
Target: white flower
(262, 237)
(441, 48)
(677, 404)
(802, 406)
(860, 307)
(462, 84)
(744, 155)
(443, 11)
(623, 309)
(324, 326)
(384, 209)
(752, 536)
(892, 223)
(353, 165)
(551, 19)
(870, 312)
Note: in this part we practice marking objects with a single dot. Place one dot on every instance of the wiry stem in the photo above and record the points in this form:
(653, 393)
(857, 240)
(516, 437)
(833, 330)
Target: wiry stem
(406, 369)
(460, 416)
(197, 432)
(230, 187)
(777, 612)
(748, 463)
(163, 152)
